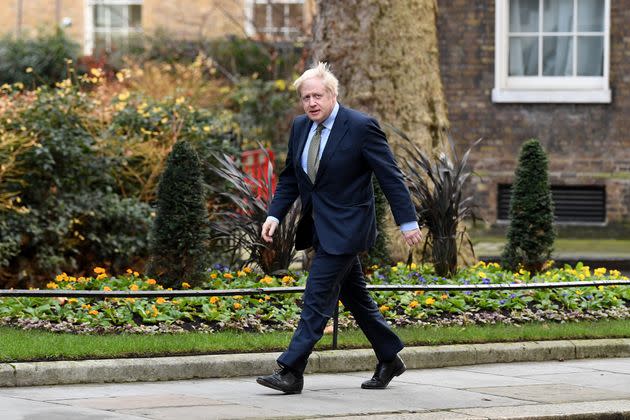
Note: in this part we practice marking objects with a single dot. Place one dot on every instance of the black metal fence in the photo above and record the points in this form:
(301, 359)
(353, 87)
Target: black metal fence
(100, 294)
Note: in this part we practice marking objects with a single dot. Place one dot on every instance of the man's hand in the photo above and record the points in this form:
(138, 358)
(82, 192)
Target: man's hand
(413, 237)
(268, 229)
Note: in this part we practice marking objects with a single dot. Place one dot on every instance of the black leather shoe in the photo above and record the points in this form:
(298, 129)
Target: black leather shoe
(283, 380)
(384, 373)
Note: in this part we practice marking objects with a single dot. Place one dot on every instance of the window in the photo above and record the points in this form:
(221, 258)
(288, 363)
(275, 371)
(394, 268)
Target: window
(275, 19)
(578, 204)
(112, 25)
(552, 51)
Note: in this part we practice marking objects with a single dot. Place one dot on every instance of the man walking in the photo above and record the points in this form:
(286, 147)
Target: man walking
(333, 152)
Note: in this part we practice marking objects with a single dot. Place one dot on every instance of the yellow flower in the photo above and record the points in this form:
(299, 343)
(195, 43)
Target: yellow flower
(581, 276)
(123, 96)
(160, 301)
(213, 275)
(238, 297)
(93, 312)
(72, 300)
(134, 287)
(429, 301)
(287, 279)
(247, 270)
(29, 69)
(444, 296)
(614, 273)
(260, 301)
(601, 288)
(185, 285)
(266, 280)
(600, 271)
(96, 72)
(130, 300)
(151, 281)
(101, 276)
(180, 100)
(107, 289)
(280, 84)
(228, 276)
(52, 285)
(413, 266)
(155, 311)
(237, 305)
(579, 292)
(384, 308)
(482, 274)
(99, 270)
(267, 297)
(419, 292)
(84, 306)
(394, 269)
(61, 277)
(206, 128)
(413, 303)
(136, 274)
(374, 267)
(214, 300)
(120, 76)
(241, 273)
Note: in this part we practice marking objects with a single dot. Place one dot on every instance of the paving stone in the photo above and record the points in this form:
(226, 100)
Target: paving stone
(141, 401)
(551, 393)
(583, 410)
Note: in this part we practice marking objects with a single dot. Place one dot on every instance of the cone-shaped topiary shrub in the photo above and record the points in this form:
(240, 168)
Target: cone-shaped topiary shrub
(531, 232)
(179, 237)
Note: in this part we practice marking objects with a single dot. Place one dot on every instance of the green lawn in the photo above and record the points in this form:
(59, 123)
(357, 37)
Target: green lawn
(22, 345)
(493, 245)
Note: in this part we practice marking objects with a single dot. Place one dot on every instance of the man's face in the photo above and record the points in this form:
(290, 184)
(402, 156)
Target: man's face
(317, 101)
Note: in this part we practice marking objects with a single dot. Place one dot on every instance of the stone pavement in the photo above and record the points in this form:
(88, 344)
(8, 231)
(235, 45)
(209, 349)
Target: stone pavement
(575, 389)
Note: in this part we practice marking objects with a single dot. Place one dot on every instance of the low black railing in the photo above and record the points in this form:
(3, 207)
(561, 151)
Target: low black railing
(100, 294)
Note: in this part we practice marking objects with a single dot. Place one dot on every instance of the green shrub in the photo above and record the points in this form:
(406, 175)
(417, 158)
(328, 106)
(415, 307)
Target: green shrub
(179, 237)
(531, 233)
(45, 57)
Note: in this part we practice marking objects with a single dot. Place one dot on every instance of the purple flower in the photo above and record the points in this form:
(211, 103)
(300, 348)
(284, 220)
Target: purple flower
(512, 296)
(502, 302)
(485, 281)
(467, 292)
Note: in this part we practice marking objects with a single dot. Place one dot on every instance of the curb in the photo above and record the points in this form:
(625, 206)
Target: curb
(252, 364)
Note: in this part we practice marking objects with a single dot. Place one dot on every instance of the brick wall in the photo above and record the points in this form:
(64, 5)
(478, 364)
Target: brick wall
(587, 144)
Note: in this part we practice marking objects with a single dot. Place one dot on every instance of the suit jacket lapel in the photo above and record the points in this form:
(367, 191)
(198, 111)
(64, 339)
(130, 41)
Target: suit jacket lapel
(339, 130)
(302, 137)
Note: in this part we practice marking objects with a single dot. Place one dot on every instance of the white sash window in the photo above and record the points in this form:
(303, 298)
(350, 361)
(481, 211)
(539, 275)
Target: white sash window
(111, 25)
(274, 19)
(552, 51)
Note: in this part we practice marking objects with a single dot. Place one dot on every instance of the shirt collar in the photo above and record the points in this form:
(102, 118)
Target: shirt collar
(328, 122)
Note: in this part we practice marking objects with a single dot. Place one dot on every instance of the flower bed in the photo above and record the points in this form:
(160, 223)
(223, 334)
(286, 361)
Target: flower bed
(281, 311)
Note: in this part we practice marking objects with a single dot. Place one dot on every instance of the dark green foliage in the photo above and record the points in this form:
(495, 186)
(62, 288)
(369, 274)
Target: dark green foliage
(233, 56)
(238, 228)
(46, 55)
(379, 253)
(70, 216)
(437, 189)
(179, 237)
(531, 233)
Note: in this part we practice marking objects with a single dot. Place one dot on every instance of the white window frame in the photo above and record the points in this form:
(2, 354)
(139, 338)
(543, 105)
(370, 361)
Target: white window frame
(284, 31)
(545, 89)
(90, 29)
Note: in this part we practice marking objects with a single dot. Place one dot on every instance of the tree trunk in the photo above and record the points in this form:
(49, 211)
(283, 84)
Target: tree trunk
(385, 55)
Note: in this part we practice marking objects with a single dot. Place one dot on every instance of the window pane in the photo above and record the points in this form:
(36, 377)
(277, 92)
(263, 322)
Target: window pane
(100, 44)
(558, 16)
(557, 56)
(100, 16)
(277, 13)
(135, 16)
(590, 56)
(119, 42)
(523, 56)
(117, 16)
(295, 16)
(591, 15)
(260, 16)
(524, 15)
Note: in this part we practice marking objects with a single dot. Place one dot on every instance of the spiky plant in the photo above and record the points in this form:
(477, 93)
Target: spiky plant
(531, 233)
(238, 229)
(437, 189)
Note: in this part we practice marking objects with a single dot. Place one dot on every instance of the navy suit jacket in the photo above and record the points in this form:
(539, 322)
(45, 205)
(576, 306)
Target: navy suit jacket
(340, 204)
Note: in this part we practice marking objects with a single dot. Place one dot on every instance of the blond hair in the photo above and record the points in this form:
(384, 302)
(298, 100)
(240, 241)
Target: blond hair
(321, 70)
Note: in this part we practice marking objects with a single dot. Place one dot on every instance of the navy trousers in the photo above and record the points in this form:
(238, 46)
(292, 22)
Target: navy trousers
(333, 278)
